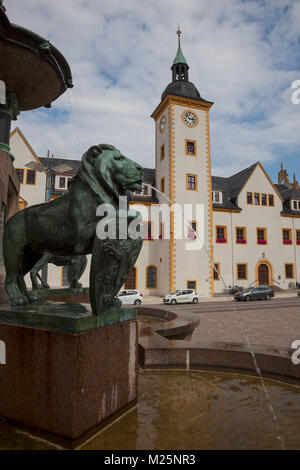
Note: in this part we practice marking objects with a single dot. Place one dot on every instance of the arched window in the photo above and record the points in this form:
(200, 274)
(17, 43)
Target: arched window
(151, 277)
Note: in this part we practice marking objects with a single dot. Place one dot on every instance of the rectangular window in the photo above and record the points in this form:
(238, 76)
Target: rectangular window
(217, 197)
(151, 277)
(263, 199)
(191, 229)
(256, 199)
(298, 237)
(162, 152)
(289, 271)
(144, 192)
(216, 271)
(191, 285)
(295, 205)
(147, 227)
(221, 234)
(162, 185)
(30, 177)
(241, 235)
(190, 147)
(62, 182)
(20, 174)
(286, 236)
(242, 271)
(261, 234)
(191, 182)
(271, 200)
(249, 198)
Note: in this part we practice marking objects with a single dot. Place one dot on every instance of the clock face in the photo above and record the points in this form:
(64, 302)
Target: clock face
(189, 118)
(162, 123)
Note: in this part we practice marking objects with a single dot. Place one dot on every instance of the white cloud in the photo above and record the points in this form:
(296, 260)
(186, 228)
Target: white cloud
(242, 56)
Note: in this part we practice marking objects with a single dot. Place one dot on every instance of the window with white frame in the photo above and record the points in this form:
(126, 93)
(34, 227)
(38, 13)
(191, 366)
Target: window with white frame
(295, 204)
(146, 190)
(217, 197)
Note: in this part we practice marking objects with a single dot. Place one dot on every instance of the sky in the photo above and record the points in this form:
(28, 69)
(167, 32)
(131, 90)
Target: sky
(243, 55)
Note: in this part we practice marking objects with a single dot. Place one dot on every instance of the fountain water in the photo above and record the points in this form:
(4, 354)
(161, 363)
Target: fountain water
(243, 330)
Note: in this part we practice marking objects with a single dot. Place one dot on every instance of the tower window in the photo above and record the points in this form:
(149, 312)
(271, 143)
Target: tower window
(162, 185)
(190, 147)
(191, 182)
(192, 285)
(162, 152)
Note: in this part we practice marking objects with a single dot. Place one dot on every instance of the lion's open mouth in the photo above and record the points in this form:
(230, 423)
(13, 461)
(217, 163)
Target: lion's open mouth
(135, 185)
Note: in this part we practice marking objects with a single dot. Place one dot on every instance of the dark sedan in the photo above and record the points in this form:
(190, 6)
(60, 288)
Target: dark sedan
(255, 293)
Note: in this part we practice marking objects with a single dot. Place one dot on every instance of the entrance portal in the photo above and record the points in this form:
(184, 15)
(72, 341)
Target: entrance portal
(263, 274)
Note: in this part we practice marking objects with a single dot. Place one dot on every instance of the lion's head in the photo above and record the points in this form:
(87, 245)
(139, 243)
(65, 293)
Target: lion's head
(108, 171)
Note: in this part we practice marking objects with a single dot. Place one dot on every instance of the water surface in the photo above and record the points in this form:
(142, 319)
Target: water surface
(194, 410)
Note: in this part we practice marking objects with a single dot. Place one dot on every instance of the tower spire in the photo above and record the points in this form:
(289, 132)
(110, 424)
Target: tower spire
(179, 59)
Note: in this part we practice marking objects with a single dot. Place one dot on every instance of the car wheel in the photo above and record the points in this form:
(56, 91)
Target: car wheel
(247, 298)
(195, 300)
(268, 297)
(137, 302)
(173, 302)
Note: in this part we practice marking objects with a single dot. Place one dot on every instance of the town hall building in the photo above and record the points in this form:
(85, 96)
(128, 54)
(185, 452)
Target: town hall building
(251, 229)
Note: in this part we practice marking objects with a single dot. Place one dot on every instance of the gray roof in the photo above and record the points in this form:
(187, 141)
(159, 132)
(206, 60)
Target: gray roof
(149, 175)
(182, 88)
(287, 195)
(53, 162)
(231, 187)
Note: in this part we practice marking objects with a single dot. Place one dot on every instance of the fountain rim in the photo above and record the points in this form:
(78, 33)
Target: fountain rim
(28, 40)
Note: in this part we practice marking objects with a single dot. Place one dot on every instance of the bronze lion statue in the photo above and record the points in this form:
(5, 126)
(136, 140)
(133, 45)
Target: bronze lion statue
(66, 226)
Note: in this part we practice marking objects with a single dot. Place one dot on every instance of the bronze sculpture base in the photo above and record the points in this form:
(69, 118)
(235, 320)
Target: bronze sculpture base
(67, 384)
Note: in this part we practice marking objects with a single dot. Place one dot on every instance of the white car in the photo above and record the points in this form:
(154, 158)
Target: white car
(130, 297)
(181, 297)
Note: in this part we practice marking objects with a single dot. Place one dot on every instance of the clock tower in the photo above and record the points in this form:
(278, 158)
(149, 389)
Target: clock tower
(183, 174)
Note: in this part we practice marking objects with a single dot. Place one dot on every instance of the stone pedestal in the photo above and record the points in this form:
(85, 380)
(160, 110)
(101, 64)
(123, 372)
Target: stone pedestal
(67, 384)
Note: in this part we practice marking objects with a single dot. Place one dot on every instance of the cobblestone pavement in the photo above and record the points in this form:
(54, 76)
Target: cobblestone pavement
(273, 323)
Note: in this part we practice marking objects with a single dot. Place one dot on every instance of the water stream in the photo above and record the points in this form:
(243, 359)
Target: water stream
(244, 333)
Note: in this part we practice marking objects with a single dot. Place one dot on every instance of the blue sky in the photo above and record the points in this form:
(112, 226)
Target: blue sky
(243, 55)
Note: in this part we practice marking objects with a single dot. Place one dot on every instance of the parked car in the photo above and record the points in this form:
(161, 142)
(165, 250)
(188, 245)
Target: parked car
(255, 293)
(130, 297)
(181, 297)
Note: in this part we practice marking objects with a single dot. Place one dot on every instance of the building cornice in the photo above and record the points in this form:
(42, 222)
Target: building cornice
(182, 101)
